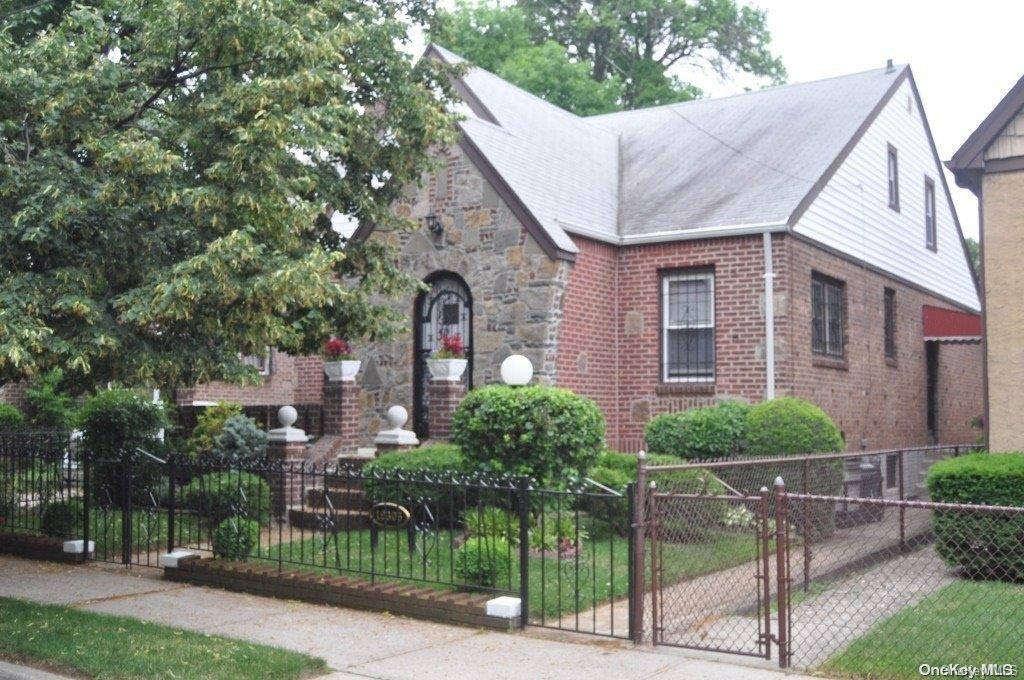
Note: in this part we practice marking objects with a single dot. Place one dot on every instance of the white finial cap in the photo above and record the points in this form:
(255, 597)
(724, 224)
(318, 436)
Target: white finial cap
(397, 416)
(779, 482)
(516, 370)
(641, 454)
(287, 415)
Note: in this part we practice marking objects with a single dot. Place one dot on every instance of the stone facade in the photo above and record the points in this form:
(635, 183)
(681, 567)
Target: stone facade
(1003, 210)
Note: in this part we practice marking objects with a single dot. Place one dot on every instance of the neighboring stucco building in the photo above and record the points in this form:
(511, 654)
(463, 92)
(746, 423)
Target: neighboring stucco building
(632, 256)
(991, 164)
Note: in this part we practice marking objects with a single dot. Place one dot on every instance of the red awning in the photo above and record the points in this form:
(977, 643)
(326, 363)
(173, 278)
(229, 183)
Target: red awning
(950, 324)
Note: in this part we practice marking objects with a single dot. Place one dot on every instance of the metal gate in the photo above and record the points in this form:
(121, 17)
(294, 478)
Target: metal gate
(711, 572)
(126, 522)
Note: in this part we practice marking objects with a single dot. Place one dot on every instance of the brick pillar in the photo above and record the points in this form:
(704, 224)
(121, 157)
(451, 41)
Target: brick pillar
(442, 398)
(286, 444)
(341, 411)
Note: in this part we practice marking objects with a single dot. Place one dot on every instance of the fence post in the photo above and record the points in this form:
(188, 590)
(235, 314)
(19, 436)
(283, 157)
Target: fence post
(807, 524)
(655, 566)
(766, 600)
(637, 520)
(171, 473)
(524, 551)
(126, 506)
(86, 510)
(903, 510)
(782, 570)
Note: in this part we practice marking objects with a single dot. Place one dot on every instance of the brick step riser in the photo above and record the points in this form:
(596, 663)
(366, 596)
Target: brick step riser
(309, 519)
(339, 500)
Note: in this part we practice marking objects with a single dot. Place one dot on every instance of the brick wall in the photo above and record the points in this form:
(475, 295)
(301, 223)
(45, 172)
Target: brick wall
(14, 394)
(292, 380)
(961, 392)
(876, 403)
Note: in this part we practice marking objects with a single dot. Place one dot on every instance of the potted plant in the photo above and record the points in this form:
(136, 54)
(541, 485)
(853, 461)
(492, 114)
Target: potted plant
(449, 361)
(339, 361)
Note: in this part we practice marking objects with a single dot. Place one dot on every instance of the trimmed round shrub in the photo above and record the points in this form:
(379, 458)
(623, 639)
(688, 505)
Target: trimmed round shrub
(217, 496)
(114, 422)
(789, 426)
(710, 432)
(61, 519)
(546, 433)
(484, 561)
(209, 423)
(387, 480)
(984, 545)
(235, 538)
(240, 439)
(11, 418)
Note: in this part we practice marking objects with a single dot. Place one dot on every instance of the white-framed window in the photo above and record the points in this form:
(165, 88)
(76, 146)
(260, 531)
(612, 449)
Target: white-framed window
(688, 326)
(894, 178)
(261, 362)
(930, 236)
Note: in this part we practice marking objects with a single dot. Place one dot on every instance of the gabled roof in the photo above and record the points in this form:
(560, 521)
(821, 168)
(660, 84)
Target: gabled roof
(737, 164)
(969, 160)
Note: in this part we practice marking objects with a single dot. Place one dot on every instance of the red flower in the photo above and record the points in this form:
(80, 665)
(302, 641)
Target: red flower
(336, 348)
(452, 347)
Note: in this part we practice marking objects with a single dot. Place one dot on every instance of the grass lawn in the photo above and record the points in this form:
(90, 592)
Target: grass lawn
(103, 646)
(967, 622)
(557, 587)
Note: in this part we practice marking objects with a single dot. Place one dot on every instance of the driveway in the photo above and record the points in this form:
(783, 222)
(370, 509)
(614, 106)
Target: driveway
(362, 644)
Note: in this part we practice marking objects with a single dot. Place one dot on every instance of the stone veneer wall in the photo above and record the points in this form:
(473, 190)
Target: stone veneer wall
(516, 288)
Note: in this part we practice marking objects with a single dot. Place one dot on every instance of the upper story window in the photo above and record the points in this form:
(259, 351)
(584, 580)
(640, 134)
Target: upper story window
(688, 326)
(261, 362)
(889, 302)
(894, 179)
(930, 234)
(828, 302)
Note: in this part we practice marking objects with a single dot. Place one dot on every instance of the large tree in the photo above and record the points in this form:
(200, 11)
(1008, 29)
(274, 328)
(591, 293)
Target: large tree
(632, 48)
(169, 168)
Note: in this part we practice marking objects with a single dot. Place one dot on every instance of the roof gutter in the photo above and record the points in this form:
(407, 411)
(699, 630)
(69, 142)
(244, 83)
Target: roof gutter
(679, 235)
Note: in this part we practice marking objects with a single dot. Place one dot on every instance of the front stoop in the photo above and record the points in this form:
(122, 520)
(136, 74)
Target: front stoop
(39, 547)
(467, 609)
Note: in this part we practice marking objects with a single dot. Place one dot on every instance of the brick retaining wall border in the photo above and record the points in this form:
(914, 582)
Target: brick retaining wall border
(397, 598)
(37, 547)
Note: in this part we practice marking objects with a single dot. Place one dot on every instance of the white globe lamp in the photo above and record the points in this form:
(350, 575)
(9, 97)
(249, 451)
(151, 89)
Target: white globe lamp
(516, 370)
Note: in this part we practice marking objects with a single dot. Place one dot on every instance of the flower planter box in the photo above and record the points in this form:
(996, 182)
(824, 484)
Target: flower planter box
(447, 370)
(344, 371)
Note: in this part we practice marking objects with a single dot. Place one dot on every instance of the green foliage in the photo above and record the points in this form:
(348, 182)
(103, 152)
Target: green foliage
(49, 405)
(626, 50)
(11, 417)
(168, 176)
(557, 531)
(217, 496)
(484, 561)
(209, 423)
(240, 439)
(985, 545)
(710, 432)
(437, 460)
(8, 502)
(492, 521)
(115, 422)
(546, 433)
(62, 519)
(974, 252)
(789, 426)
(234, 538)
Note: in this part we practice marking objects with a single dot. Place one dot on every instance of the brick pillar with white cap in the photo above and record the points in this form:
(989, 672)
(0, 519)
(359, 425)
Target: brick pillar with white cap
(286, 445)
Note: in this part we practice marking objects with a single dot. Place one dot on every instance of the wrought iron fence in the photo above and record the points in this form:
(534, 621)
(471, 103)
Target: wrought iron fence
(36, 469)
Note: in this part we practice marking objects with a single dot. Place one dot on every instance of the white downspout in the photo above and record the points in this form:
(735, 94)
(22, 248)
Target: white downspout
(769, 318)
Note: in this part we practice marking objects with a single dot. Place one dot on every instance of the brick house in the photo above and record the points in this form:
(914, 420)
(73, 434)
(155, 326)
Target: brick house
(632, 256)
(991, 164)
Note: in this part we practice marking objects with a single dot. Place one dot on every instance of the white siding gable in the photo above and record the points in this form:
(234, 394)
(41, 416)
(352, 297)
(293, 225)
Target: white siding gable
(851, 214)
(1010, 142)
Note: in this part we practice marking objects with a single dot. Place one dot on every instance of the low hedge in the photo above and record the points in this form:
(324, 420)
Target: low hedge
(789, 426)
(216, 496)
(484, 561)
(381, 483)
(549, 434)
(710, 432)
(235, 538)
(984, 545)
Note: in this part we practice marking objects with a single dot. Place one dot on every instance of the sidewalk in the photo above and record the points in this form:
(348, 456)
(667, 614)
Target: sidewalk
(361, 644)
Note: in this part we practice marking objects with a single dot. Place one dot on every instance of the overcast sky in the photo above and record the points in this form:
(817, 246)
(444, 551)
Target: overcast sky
(965, 56)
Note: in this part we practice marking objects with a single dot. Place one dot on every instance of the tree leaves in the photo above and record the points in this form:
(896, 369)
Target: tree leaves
(169, 169)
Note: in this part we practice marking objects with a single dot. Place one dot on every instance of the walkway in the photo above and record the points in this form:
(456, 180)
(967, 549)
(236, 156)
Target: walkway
(356, 643)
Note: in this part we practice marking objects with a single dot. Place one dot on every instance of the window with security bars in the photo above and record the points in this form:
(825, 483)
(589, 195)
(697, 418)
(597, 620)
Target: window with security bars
(890, 323)
(688, 326)
(261, 362)
(827, 311)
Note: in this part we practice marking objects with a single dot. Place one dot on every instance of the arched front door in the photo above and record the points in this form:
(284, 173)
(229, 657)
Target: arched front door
(446, 309)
